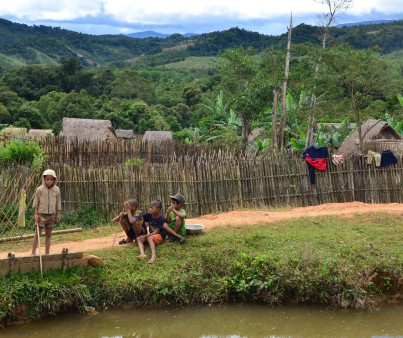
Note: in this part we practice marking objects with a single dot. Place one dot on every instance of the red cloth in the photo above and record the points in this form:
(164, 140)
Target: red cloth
(318, 163)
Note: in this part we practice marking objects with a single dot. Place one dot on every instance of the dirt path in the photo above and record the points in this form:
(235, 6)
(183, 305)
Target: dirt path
(238, 218)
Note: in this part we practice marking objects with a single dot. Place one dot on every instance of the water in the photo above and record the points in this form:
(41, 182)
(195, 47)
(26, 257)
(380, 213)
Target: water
(218, 321)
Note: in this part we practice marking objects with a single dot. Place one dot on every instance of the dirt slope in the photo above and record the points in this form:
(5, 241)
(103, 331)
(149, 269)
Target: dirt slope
(239, 218)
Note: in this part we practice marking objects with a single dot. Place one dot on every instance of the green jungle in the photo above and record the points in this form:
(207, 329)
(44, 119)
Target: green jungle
(212, 88)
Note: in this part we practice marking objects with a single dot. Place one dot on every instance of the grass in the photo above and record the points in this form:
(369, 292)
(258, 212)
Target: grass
(327, 260)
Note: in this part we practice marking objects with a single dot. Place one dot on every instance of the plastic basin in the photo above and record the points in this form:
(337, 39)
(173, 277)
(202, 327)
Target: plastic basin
(194, 229)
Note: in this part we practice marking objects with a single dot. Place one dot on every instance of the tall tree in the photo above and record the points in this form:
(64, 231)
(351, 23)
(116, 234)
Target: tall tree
(284, 89)
(359, 75)
(325, 20)
(246, 91)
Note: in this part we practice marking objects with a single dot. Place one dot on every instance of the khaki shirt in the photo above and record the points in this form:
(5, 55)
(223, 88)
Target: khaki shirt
(46, 200)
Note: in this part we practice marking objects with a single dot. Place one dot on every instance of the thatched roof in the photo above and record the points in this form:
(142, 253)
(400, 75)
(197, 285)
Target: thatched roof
(13, 132)
(125, 133)
(371, 131)
(87, 129)
(157, 136)
(40, 133)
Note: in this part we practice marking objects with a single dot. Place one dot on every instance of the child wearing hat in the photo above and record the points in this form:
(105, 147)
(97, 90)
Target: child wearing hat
(176, 215)
(47, 206)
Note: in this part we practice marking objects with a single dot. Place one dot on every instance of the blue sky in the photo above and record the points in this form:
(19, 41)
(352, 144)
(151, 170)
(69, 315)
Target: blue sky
(179, 16)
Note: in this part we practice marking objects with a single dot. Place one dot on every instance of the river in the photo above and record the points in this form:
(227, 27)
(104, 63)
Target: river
(229, 321)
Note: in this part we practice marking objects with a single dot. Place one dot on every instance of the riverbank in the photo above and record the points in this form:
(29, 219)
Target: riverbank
(348, 261)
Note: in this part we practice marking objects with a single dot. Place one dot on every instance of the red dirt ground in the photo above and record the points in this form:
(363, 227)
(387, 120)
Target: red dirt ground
(246, 217)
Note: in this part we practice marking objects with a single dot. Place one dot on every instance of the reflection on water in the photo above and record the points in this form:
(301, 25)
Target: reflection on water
(218, 321)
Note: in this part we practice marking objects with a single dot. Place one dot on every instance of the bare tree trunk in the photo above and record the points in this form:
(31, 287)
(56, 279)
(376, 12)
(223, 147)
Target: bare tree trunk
(245, 129)
(357, 120)
(311, 121)
(273, 143)
(334, 7)
(284, 89)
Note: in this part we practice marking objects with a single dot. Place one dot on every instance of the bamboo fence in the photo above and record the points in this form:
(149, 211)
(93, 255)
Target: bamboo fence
(211, 184)
(100, 154)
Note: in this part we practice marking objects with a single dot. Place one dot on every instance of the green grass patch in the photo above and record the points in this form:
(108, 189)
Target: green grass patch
(326, 260)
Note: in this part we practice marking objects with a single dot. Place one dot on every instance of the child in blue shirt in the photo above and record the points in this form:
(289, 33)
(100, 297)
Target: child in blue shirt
(157, 228)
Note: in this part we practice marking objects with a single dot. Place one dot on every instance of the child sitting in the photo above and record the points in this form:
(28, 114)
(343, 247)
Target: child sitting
(156, 230)
(176, 215)
(127, 220)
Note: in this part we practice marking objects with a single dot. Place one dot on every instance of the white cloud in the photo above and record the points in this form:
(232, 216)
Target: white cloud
(163, 11)
(185, 15)
(50, 9)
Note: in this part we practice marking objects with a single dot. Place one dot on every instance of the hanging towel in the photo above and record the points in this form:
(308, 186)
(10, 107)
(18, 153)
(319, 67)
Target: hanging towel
(388, 158)
(338, 159)
(374, 156)
(22, 209)
(316, 158)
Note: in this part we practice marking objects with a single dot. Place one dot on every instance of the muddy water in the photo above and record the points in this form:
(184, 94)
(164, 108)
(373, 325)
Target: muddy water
(221, 321)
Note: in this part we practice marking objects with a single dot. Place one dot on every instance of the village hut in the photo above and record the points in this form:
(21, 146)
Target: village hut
(157, 136)
(125, 134)
(11, 132)
(377, 135)
(88, 130)
(40, 133)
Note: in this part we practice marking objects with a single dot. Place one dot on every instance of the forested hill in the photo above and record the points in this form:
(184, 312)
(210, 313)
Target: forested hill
(22, 44)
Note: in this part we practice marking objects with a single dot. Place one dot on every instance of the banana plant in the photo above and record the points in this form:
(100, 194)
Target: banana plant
(261, 145)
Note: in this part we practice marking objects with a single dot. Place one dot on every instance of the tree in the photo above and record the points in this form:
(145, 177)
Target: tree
(335, 7)
(130, 85)
(284, 89)
(5, 116)
(246, 92)
(325, 21)
(359, 75)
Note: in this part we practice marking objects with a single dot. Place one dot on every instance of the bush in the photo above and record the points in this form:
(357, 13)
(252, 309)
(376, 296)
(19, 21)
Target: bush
(85, 217)
(25, 152)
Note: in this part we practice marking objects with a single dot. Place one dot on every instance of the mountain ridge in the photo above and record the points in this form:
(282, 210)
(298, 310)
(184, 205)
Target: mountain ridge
(43, 44)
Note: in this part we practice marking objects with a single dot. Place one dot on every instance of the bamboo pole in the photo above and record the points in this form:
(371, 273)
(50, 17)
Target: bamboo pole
(57, 232)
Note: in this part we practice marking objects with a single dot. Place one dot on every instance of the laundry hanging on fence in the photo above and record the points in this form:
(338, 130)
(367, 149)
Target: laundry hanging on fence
(387, 158)
(338, 159)
(374, 157)
(22, 209)
(316, 159)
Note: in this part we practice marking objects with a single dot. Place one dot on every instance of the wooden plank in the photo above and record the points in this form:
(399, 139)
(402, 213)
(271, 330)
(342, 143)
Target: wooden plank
(49, 262)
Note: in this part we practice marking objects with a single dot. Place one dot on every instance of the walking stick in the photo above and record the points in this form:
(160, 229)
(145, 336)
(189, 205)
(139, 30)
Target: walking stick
(39, 245)
(117, 230)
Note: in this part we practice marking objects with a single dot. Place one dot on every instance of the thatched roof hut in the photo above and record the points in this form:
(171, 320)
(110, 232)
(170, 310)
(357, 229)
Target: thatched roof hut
(40, 133)
(373, 132)
(127, 134)
(13, 132)
(157, 136)
(88, 130)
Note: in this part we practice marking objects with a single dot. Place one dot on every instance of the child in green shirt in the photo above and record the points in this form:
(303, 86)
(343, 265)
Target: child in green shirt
(176, 215)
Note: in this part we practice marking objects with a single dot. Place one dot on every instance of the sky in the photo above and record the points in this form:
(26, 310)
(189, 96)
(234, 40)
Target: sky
(178, 16)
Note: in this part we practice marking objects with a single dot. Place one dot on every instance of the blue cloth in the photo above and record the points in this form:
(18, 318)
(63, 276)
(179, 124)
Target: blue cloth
(314, 153)
(387, 158)
(155, 223)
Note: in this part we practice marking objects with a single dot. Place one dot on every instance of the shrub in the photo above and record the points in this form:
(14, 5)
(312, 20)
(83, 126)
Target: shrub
(25, 152)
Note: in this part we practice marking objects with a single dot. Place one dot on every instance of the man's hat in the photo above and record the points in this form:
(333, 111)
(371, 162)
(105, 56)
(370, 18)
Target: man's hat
(178, 197)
